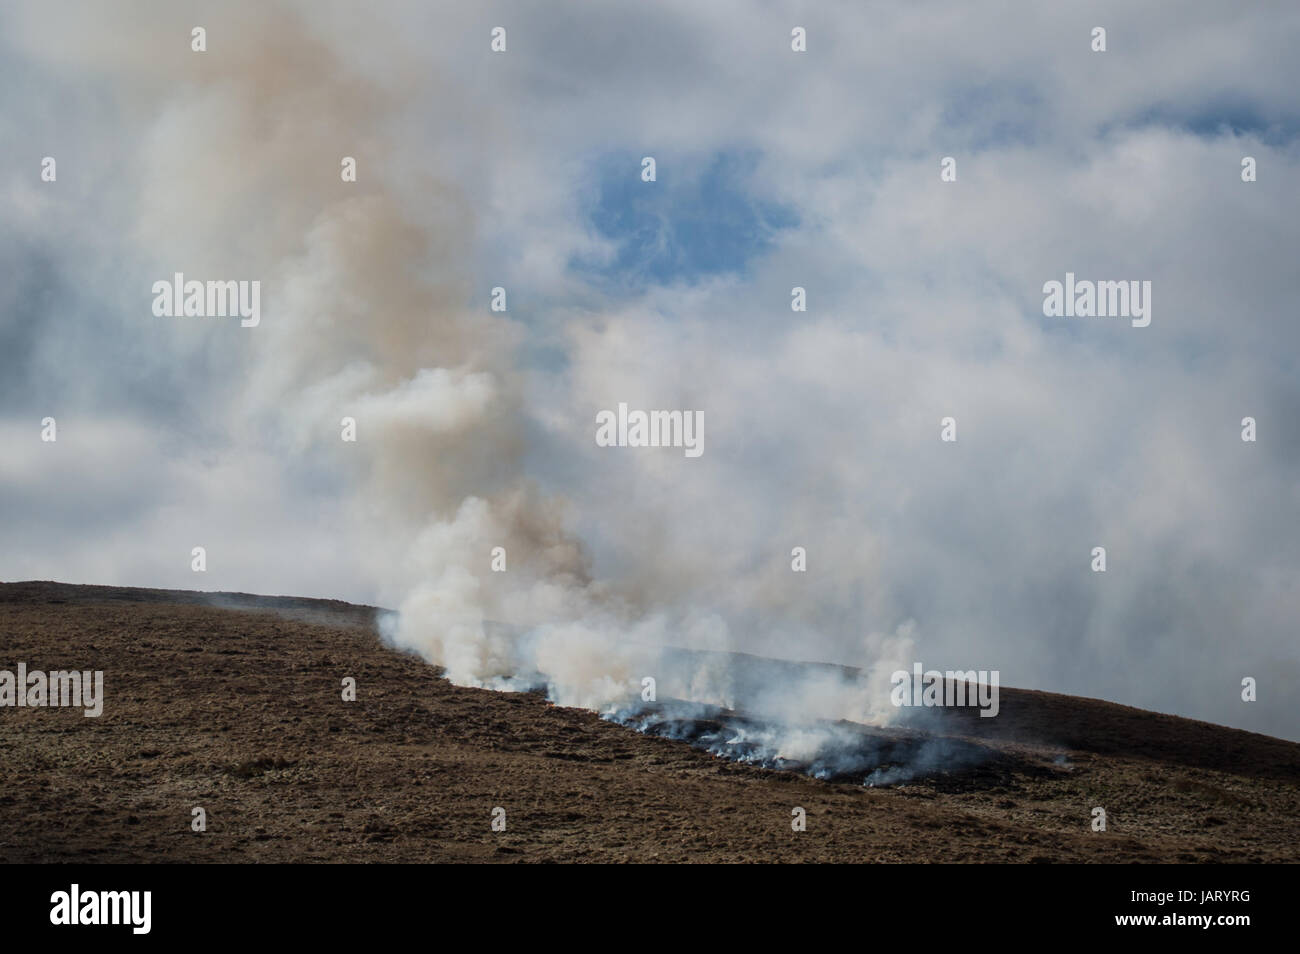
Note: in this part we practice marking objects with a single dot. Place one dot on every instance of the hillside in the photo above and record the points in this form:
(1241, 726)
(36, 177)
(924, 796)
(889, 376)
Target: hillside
(232, 703)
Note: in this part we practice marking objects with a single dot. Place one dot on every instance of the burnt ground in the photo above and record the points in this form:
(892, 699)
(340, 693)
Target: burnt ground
(232, 703)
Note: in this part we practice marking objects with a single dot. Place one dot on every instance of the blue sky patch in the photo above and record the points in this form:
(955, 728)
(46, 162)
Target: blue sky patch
(700, 218)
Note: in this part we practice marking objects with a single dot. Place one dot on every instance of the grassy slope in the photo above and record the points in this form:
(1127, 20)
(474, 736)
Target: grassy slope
(240, 712)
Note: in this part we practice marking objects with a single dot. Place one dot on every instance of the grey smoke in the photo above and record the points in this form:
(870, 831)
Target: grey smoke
(476, 428)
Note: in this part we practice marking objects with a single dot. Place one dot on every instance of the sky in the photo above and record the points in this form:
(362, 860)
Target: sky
(775, 169)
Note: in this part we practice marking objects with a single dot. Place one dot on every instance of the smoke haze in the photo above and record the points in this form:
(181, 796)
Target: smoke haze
(475, 428)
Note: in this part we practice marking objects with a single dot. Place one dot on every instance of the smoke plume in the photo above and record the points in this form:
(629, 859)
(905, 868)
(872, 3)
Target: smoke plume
(474, 428)
(370, 315)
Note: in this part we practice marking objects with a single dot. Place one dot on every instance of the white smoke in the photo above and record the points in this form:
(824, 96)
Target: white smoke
(368, 314)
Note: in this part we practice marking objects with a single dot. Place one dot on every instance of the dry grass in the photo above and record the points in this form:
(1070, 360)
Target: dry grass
(239, 712)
